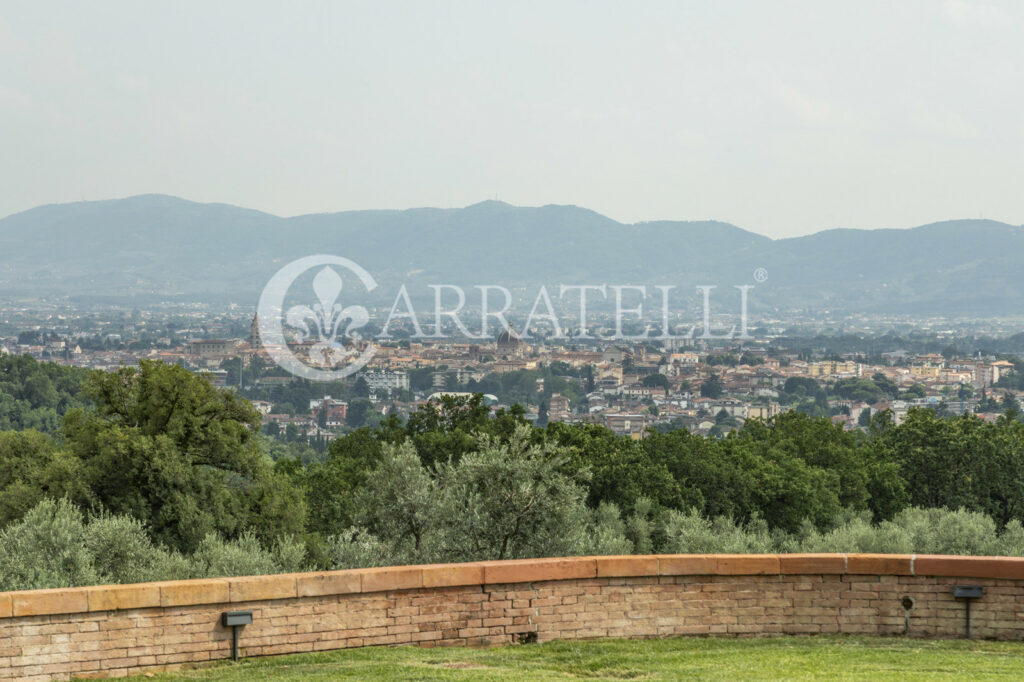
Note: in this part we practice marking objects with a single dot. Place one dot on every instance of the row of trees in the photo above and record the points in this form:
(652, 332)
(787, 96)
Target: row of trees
(791, 472)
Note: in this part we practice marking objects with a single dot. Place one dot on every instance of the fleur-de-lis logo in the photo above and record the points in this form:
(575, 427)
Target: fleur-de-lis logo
(329, 327)
(326, 316)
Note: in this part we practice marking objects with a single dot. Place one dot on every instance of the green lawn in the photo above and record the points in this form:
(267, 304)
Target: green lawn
(793, 658)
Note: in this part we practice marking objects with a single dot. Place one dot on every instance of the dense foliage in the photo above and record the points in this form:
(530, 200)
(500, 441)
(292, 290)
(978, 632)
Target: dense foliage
(54, 545)
(162, 446)
(154, 473)
(36, 395)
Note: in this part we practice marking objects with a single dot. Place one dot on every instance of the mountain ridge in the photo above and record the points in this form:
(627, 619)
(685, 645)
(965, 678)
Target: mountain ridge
(155, 245)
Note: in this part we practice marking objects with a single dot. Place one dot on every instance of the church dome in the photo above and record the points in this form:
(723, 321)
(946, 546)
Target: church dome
(508, 339)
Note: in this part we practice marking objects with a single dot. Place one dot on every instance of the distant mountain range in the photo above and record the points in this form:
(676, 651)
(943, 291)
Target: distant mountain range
(154, 247)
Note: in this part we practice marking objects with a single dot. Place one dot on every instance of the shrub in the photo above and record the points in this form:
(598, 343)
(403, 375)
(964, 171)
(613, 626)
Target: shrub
(509, 501)
(1011, 540)
(690, 533)
(54, 546)
(121, 550)
(914, 530)
(940, 531)
(356, 548)
(608, 532)
(639, 528)
(399, 501)
(47, 548)
(856, 534)
(217, 557)
(289, 554)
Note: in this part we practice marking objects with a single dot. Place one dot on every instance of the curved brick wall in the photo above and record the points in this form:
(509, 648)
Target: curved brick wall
(121, 629)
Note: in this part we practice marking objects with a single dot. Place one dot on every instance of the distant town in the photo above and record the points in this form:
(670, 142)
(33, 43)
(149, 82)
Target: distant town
(707, 386)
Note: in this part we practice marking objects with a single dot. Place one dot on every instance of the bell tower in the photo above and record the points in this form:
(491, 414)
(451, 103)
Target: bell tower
(254, 332)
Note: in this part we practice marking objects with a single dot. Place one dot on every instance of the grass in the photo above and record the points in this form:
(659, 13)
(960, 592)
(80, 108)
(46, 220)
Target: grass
(791, 658)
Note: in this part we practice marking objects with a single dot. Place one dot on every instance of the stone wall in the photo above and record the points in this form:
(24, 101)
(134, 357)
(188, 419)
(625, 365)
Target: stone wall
(117, 630)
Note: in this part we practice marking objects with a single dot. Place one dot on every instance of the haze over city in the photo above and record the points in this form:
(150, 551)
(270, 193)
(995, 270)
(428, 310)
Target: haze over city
(783, 118)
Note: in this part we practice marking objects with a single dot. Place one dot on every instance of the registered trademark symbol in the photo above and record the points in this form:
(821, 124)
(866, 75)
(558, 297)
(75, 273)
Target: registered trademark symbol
(760, 275)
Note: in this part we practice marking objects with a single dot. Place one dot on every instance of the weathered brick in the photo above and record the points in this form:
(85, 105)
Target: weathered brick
(878, 564)
(687, 564)
(703, 600)
(626, 566)
(187, 592)
(253, 588)
(746, 564)
(816, 564)
(453, 575)
(45, 602)
(392, 578)
(329, 582)
(969, 566)
(534, 570)
(114, 597)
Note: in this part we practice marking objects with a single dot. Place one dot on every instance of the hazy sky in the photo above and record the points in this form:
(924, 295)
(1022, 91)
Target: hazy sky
(782, 117)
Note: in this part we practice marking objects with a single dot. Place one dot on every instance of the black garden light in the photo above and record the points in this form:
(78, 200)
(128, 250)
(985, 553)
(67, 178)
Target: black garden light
(968, 593)
(235, 620)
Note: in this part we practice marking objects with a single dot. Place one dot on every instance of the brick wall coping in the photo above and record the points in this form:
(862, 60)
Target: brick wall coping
(367, 580)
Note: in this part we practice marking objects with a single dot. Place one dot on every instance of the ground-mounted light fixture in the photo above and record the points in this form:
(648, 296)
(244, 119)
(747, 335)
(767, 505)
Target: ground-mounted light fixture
(968, 593)
(235, 620)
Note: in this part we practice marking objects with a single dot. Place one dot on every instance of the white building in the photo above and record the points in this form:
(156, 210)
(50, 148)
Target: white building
(386, 380)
